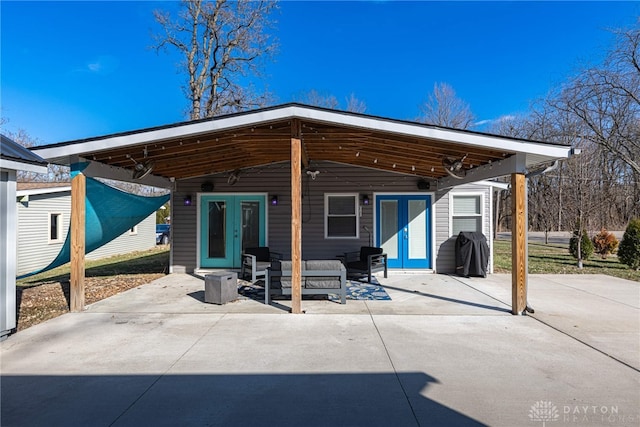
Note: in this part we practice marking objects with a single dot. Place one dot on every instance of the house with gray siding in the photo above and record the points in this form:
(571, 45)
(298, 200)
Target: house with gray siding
(417, 228)
(317, 182)
(44, 212)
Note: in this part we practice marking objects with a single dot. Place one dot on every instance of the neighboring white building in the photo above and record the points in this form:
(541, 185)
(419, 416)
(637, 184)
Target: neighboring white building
(13, 158)
(43, 223)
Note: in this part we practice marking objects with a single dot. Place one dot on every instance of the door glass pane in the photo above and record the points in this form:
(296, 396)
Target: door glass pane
(389, 227)
(217, 224)
(417, 229)
(250, 224)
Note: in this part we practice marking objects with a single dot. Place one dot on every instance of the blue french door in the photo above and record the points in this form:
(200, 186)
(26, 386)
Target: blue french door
(228, 225)
(403, 229)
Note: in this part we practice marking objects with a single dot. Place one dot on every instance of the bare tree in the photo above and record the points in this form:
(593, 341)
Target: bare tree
(221, 42)
(444, 108)
(607, 101)
(317, 99)
(324, 100)
(355, 105)
(599, 112)
(55, 173)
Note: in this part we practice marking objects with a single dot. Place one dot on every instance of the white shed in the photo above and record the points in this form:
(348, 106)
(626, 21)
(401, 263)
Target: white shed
(13, 157)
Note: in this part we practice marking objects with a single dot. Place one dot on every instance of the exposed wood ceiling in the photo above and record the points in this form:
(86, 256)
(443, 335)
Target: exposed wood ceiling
(262, 137)
(256, 145)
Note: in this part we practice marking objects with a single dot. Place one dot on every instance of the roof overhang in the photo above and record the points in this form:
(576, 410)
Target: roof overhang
(38, 191)
(17, 165)
(261, 137)
(14, 156)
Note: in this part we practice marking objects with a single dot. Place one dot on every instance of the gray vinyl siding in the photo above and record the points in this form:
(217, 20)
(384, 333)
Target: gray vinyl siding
(144, 239)
(34, 249)
(445, 240)
(275, 180)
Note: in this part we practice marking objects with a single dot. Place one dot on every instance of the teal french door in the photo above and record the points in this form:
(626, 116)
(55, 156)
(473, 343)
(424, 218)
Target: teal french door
(228, 225)
(403, 229)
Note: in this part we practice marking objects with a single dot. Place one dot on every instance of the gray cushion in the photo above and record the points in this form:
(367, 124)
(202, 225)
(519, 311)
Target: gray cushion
(322, 283)
(329, 264)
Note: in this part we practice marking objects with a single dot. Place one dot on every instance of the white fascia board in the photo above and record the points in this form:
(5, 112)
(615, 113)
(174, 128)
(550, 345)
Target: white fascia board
(35, 191)
(61, 153)
(20, 166)
(551, 151)
(152, 136)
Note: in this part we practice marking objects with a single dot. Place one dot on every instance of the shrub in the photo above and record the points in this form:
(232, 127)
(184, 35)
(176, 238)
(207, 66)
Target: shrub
(605, 243)
(629, 251)
(586, 246)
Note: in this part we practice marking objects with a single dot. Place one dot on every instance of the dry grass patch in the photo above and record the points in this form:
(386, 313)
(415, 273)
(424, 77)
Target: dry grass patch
(45, 296)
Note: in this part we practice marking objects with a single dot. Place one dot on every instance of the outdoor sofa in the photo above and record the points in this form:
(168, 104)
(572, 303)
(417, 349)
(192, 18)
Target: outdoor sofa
(319, 277)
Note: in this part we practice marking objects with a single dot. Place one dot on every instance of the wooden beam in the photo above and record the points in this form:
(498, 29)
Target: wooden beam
(518, 244)
(296, 132)
(78, 216)
(296, 220)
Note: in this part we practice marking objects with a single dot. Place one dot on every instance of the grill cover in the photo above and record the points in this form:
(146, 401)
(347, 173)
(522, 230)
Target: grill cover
(472, 254)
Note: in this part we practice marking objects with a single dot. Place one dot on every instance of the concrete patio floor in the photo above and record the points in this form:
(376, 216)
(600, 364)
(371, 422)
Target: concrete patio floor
(443, 351)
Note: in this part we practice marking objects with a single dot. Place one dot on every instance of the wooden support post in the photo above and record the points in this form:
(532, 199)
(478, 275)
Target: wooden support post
(78, 215)
(518, 244)
(296, 219)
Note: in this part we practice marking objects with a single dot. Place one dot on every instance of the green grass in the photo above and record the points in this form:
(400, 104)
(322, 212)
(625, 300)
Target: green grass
(555, 259)
(155, 260)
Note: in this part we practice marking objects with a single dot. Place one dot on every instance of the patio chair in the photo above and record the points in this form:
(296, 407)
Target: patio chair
(368, 260)
(257, 260)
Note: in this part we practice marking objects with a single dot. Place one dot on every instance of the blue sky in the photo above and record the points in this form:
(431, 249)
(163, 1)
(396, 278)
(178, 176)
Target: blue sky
(72, 70)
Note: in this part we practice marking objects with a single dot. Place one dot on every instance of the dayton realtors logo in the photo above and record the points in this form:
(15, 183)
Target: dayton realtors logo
(544, 411)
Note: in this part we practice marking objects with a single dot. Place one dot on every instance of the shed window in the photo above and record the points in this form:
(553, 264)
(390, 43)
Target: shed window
(341, 216)
(55, 227)
(466, 213)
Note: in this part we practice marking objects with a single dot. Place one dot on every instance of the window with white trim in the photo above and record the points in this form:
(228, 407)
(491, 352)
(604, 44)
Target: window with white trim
(466, 213)
(133, 230)
(55, 227)
(341, 219)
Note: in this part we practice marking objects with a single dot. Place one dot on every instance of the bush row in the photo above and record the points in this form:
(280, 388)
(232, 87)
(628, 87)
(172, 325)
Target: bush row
(605, 243)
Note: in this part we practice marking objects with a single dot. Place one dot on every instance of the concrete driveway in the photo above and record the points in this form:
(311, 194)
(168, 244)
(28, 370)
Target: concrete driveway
(443, 351)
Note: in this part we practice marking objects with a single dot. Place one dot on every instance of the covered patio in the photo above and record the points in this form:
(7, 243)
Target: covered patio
(443, 351)
(298, 135)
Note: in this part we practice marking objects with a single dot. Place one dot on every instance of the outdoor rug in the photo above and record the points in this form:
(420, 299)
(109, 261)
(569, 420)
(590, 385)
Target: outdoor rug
(356, 290)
